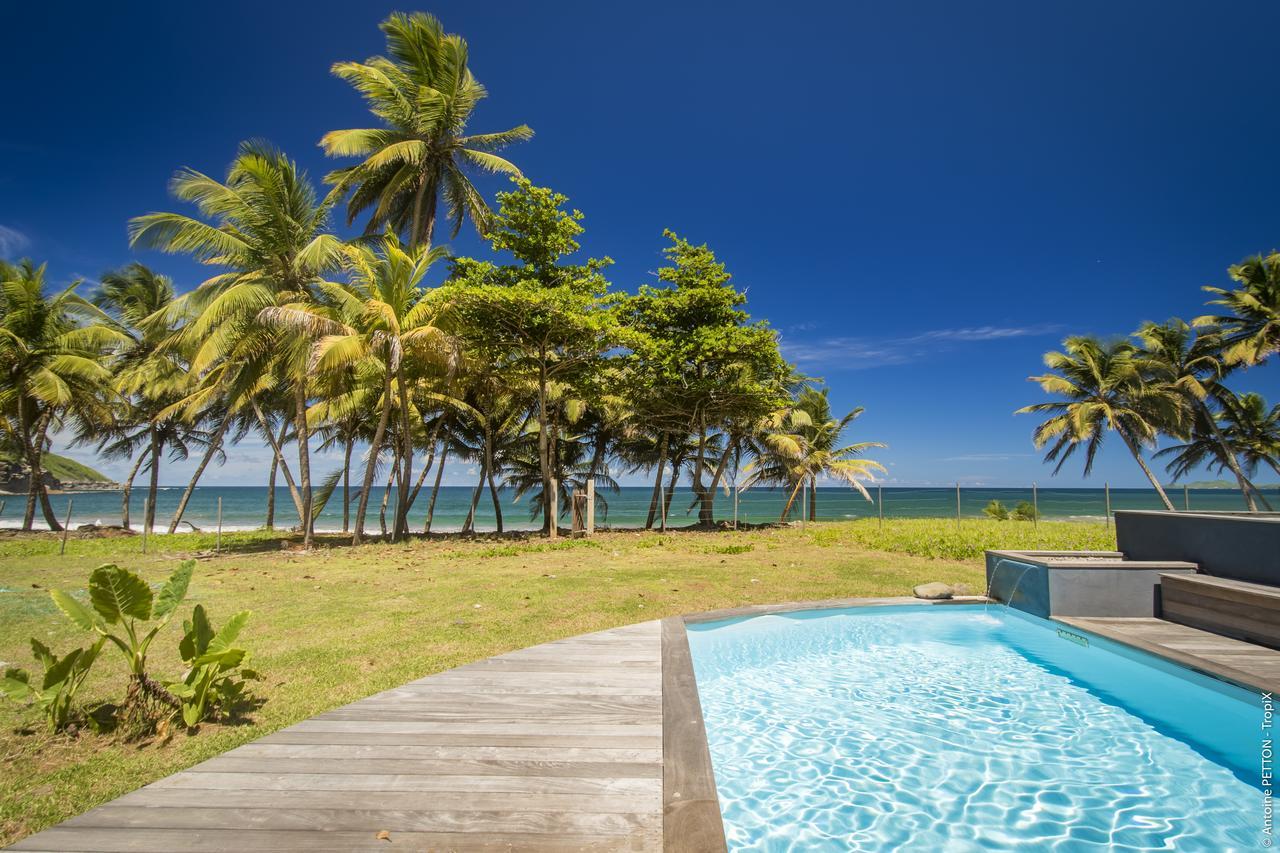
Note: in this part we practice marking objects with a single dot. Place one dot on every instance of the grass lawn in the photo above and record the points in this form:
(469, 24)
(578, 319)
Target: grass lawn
(338, 624)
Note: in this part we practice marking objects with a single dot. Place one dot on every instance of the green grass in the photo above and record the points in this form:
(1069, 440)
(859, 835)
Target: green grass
(336, 624)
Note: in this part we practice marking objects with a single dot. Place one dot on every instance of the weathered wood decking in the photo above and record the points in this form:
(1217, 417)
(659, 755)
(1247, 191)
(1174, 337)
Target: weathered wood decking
(554, 747)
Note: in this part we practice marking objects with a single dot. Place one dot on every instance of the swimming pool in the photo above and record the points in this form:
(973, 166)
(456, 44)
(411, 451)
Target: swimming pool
(961, 728)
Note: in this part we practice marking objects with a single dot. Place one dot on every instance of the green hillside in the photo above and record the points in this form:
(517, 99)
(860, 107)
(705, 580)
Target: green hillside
(66, 470)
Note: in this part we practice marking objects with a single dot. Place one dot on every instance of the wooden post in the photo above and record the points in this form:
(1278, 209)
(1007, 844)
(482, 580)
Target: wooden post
(880, 501)
(66, 527)
(1106, 489)
(735, 505)
(146, 503)
(1, 507)
(555, 506)
(591, 506)
(217, 547)
(957, 506)
(1035, 506)
(1186, 497)
(804, 504)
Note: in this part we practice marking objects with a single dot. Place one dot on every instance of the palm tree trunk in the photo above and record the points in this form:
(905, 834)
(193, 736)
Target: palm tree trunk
(786, 510)
(195, 477)
(149, 522)
(671, 491)
(497, 504)
(1247, 488)
(271, 493)
(127, 490)
(303, 437)
(406, 459)
(375, 449)
(392, 474)
(544, 444)
(657, 482)
(435, 490)
(813, 498)
(469, 526)
(706, 513)
(36, 490)
(346, 482)
(277, 447)
(1137, 455)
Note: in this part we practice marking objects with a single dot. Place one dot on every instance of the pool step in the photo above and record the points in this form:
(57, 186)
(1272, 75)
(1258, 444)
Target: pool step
(1232, 608)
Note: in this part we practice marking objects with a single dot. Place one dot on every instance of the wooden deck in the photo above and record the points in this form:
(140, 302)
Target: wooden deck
(554, 747)
(1246, 664)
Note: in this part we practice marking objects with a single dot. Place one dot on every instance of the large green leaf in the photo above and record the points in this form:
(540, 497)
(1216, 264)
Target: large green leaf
(75, 611)
(118, 593)
(16, 684)
(42, 653)
(229, 632)
(61, 670)
(174, 589)
(201, 630)
(224, 659)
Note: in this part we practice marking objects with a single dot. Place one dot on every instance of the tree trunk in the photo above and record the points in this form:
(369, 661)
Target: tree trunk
(195, 477)
(277, 447)
(127, 490)
(435, 490)
(271, 479)
(374, 449)
(544, 447)
(1247, 488)
(303, 436)
(149, 521)
(706, 512)
(470, 525)
(422, 230)
(346, 482)
(657, 483)
(406, 460)
(813, 498)
(497, 503)
(392, 474)
(786, 510)
(671, 490)
(37, 491)
(1137, 455)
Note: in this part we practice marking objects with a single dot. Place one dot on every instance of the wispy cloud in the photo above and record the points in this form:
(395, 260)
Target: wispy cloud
(862, 353)
(12, 241)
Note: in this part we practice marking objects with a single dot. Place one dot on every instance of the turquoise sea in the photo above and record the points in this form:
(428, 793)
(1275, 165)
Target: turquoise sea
(244, 507)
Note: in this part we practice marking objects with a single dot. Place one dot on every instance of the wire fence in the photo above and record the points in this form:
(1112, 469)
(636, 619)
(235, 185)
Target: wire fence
(216, 508)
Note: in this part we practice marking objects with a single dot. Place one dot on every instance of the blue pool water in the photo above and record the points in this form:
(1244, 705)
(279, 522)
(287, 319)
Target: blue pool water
(956, 728)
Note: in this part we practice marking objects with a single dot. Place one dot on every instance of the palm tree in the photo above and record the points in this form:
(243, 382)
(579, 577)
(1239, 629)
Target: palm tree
(1255, 430)
(1251, 331)
(424, 94)
(1191, 367)
(373, 325)
(1207, 447)
(266, 228)
(150, 374)
(802, 444)
(1104, 389)
(51, 371)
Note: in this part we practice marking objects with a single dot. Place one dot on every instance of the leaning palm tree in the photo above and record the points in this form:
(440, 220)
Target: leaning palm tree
(1103, 387)
(800, 444)
(1206, 447)
(1190, 366)
(373, 325)
(1255, 430)
(266, 227)
(1251, 331)
(52, 347)
(424, 94)
(150, 374)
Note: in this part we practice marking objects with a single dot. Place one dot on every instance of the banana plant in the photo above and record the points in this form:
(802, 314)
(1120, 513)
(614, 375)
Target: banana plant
(56, 693)
(211, 682)
(122, 605)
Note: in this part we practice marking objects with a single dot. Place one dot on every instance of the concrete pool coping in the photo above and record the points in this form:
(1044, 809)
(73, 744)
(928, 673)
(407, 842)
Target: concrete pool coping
(593, 742)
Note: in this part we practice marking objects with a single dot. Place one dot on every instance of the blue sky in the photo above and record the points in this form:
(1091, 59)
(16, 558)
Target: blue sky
(922, 197)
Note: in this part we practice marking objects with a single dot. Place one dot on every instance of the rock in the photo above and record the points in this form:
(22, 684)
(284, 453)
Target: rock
(961, 589)
(933, 591)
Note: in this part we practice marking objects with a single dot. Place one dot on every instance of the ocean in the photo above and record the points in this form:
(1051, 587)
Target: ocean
(244, 507)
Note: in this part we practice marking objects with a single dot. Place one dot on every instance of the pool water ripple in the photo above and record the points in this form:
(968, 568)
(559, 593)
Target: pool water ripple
(947, 731)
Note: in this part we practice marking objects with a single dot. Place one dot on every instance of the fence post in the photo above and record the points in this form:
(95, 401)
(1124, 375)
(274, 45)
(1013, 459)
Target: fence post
(555, 508)
(1186, 497)
(146, 505)
(66, 526)
(1, 507)
(1035, 506)
(957, 506)
(1106, 488)
(804, 504)
(591, 506)
(217, 547)
(735, 504)
(880, 500)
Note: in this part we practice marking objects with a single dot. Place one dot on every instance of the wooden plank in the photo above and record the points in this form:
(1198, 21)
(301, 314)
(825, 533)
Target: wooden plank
(447, 752)
(649, 801)
(587, 786)
(63, 839)
(455, 738)
(691, 806)
(232, 763)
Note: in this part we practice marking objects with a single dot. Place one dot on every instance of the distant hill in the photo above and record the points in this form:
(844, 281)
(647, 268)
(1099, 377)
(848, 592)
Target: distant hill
(61, 468)
(1219, 484)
